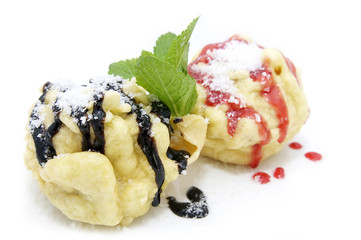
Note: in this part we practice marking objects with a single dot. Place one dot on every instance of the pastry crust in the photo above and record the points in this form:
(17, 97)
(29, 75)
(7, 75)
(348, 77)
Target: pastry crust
(239, 148)
(119, 185)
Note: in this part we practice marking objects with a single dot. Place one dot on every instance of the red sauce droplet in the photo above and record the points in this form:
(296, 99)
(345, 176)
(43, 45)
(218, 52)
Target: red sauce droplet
(272, 94)
(261, 177)
(237, 109)
(313, 156)
(279, 173)
(295, 145)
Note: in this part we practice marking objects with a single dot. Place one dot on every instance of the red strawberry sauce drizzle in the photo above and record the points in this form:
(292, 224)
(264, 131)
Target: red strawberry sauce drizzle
(270, 92)
(292, 68)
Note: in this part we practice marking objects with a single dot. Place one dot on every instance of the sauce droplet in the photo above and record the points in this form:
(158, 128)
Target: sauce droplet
(313, 156)
(295, 145)
(279, 173)
(261, 177)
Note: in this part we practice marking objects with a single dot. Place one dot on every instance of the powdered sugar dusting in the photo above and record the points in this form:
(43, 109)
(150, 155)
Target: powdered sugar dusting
(238, 55)
(196, 209)
(74, 99)
(234, 56)
(103, 83)
(37, 118)
(71, 98)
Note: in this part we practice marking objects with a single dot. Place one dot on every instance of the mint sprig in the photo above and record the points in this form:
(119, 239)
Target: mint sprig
(172, 87)
(164, 72)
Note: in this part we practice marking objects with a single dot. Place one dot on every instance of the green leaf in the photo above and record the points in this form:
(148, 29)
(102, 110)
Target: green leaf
(178, 51)
(164, 73)
(146, 53)
(125, 69)
(163, 44)
(176, 89)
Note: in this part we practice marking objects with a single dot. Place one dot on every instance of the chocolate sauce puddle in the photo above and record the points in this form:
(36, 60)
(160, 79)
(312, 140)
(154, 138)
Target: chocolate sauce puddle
(196, 208)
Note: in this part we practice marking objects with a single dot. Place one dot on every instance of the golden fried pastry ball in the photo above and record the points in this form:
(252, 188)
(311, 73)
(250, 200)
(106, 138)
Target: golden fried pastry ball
(101, 152)
(252, 97)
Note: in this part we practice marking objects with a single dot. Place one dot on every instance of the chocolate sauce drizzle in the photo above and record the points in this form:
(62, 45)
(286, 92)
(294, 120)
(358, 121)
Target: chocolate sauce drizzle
(196, 208)
(81, 115)
(164, 114)
(148, 146)
(43, 137)
(97, 123)
(177, 120)
(180, 157)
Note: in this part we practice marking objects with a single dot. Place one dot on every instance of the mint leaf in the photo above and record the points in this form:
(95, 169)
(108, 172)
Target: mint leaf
(164, 73)
(174, 88)
(125, 69)
(178, 51)
(163, 44)
(146, 53)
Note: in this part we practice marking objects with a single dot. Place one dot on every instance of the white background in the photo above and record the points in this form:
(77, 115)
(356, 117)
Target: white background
(50, 40)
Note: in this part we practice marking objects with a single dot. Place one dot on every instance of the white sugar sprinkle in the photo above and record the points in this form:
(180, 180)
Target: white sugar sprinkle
(156, 120)
(72, 98)
(151, 134)
(196, 208)
(258, 117)
(234, 56)
(37, 118)
(232, 99)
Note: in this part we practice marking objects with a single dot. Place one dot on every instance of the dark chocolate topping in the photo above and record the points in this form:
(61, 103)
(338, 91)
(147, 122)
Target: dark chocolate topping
(43, 137)
(148, 146)
(196, 208)
(164, 114)
(177, 120)
(97, 123)
(179, 156)
(84, 127)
